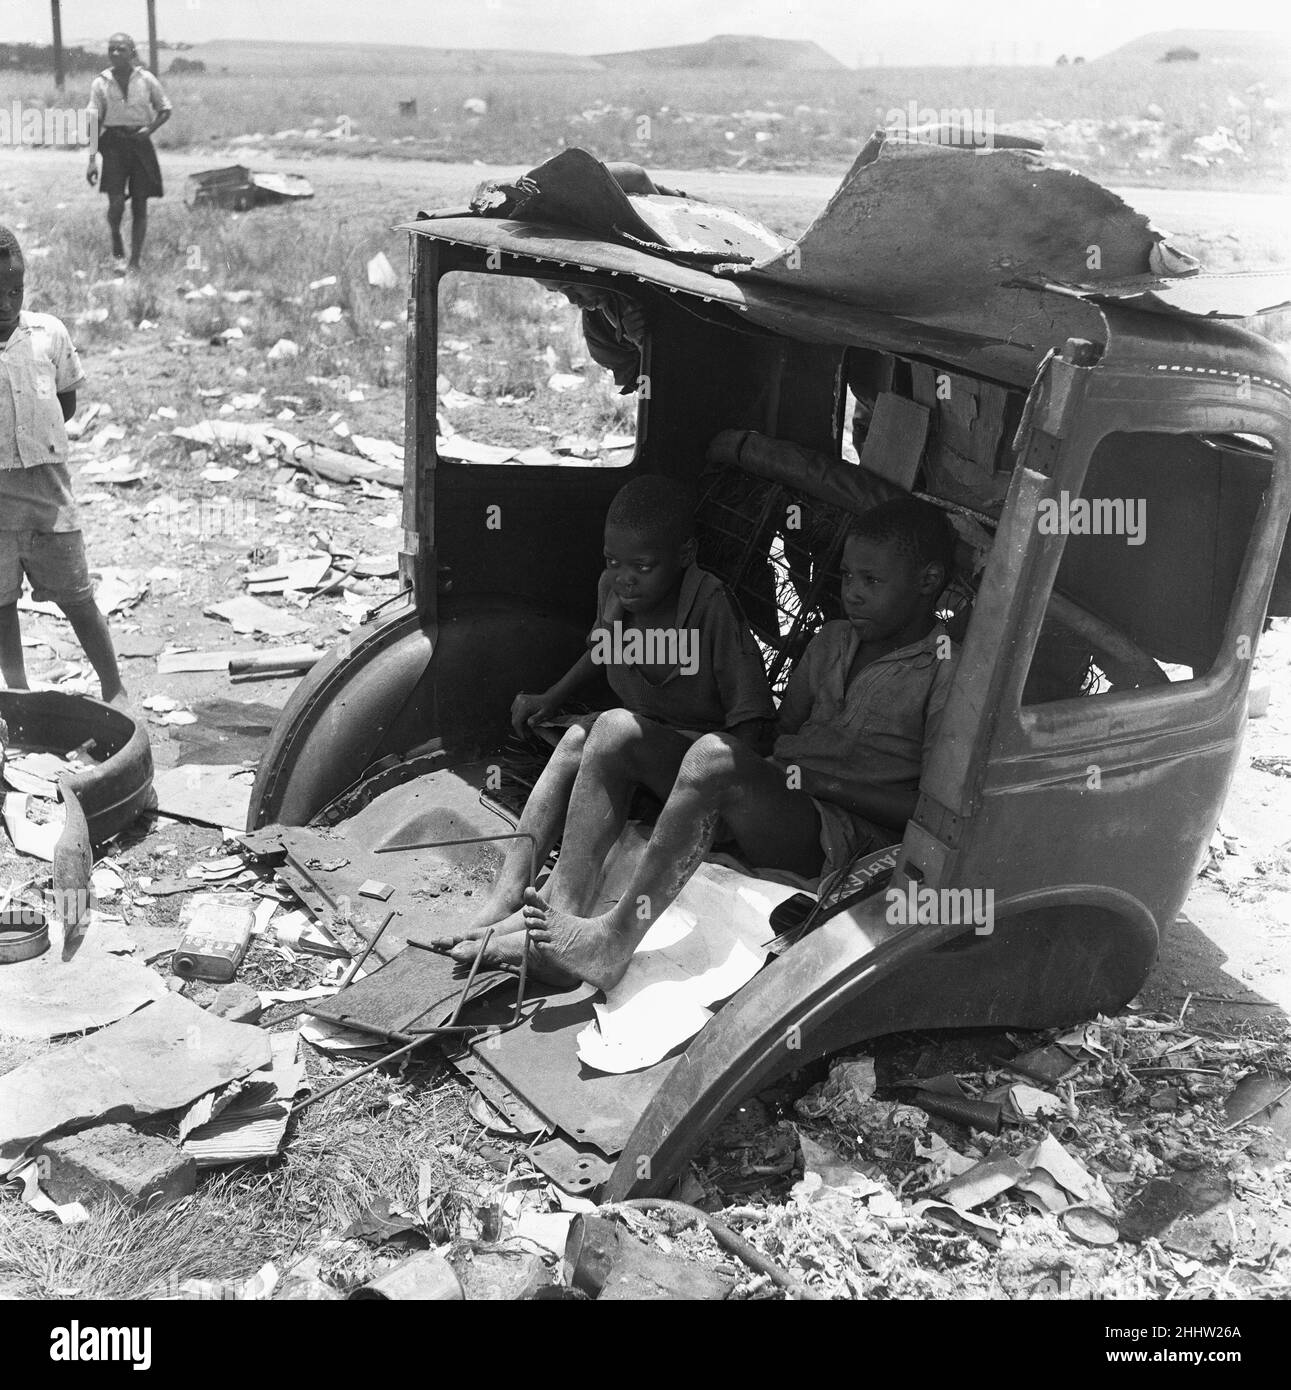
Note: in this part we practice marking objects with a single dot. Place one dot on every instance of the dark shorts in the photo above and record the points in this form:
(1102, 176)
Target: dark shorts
(130, 166)
(54, 561)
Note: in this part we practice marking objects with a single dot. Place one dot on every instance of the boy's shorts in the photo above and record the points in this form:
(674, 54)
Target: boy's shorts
(844, 836)
(54, 561)
(130, 165)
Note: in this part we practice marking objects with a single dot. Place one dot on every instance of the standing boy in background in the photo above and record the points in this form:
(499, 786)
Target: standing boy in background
(128, 103)
(40, 532)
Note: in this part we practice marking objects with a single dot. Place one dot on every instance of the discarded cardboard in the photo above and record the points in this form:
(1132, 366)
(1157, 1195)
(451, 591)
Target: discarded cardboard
(209, 793)
(48, 996)
(251, 1122)
(161, 1058)
(248, 614)
(305, 573)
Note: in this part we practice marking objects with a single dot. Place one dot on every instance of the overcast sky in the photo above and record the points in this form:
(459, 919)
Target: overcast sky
(857, 31)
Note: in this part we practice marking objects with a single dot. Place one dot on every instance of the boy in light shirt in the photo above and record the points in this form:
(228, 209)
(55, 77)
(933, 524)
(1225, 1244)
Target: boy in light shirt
(40, 531)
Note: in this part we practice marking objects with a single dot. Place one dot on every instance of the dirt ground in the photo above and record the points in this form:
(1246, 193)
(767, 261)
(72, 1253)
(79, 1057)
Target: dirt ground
(1228, 964)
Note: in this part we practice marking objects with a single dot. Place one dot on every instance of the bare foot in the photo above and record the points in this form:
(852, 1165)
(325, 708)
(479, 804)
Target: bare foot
(587, 947)
(507, 953)
(504, 918)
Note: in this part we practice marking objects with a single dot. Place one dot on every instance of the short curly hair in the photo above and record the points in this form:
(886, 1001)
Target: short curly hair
(9, 248)
(919, 530)
(655, 506)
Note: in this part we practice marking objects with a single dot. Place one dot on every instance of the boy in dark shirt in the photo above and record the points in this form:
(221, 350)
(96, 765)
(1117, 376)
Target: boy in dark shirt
(678, 655)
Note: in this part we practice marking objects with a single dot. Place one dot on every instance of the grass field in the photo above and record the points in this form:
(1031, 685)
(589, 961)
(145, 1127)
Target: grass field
(1092, 115)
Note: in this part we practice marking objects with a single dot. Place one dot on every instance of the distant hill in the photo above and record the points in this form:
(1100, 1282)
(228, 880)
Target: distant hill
(1214, 46)
(393, 60)
(731, 51)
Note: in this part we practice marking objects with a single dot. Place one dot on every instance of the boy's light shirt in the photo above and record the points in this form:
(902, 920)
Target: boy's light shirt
(36, 364)
(143, 100)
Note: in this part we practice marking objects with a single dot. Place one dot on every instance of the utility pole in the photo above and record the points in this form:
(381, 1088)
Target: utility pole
(56, 14)
(152, 37)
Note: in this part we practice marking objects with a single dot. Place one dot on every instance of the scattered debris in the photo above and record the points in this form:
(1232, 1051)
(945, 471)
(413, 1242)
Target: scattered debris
(248, 1119)
(216, 931)
(424, 1277)
(47, 997)
(381, 273)
(142, 1065)
(236, 188)
(211, 794)
(248, 614)
(117, 1163)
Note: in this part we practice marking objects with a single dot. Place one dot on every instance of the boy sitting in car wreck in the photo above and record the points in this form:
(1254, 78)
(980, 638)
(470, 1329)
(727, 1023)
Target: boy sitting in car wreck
(860, 714)
(674, 646)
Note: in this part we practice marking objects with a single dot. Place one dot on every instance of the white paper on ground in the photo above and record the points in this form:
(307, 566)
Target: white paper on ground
(25, 1178)
(28, 835)
(708, 944)
(332, 1037)
(248, 614)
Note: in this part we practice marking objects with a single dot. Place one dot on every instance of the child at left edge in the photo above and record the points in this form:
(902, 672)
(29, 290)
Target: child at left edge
(40, 531)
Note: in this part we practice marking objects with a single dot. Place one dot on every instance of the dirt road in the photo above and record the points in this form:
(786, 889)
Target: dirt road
(1262, 216)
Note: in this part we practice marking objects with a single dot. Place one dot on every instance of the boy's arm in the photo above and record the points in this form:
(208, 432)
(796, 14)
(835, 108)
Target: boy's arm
(67, 403)
(747, 707)
(796, 703)
(526, 708)
(161, 106)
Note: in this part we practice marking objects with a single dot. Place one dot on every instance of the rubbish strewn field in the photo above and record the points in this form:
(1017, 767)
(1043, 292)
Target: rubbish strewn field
(398, 1149)
(1132, 121)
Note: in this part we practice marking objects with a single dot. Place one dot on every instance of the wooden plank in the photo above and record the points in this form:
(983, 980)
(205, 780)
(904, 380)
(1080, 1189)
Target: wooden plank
(895, 441)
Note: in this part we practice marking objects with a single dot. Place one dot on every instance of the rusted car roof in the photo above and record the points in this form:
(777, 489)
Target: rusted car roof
(984, 258)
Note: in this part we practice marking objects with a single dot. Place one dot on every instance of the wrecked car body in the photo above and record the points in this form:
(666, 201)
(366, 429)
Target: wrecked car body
(1106, 428)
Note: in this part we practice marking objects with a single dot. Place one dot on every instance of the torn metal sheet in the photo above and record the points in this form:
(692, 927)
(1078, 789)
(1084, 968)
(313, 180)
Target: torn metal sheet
(574, 189)
(434, 889)
(163, 1057)
(538, 1061)
(48, 996)
(916, 227)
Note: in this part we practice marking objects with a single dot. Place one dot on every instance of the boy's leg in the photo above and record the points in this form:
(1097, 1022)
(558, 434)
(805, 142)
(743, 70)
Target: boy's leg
(720, 780)
(116, 211)
(138, 228)
(12, 666)
(622, 751)
(543, 817)
(91, 629)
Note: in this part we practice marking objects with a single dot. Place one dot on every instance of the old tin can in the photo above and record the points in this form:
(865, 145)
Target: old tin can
(216, 932)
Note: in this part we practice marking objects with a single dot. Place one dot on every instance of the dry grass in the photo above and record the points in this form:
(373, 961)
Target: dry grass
(368, 1141)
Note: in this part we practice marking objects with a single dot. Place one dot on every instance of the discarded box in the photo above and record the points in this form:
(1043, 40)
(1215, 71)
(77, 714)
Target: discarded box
(216, 932)
(237, 188)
